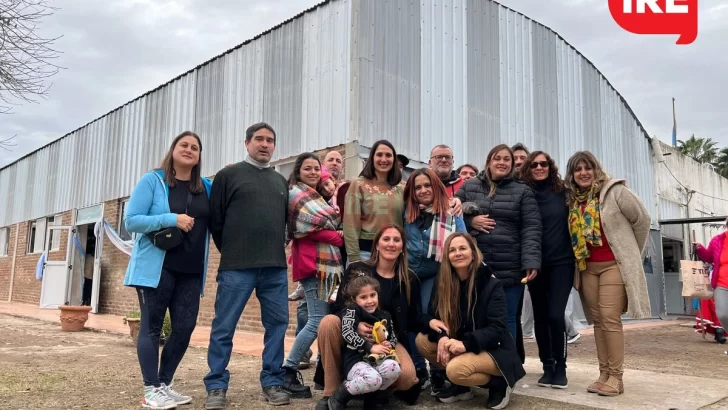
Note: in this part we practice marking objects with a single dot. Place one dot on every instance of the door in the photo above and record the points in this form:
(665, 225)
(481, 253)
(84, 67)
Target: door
(99, 233)
(57, 270)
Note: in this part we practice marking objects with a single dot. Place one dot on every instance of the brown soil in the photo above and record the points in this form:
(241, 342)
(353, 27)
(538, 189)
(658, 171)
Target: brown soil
(44, 368)
(667, 349)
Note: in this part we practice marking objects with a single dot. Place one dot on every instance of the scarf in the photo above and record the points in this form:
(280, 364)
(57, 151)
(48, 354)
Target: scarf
(442, 227)
(585, 226)
(256, 164)
(308, 212)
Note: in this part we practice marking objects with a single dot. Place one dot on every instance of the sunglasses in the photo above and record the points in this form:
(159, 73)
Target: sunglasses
(543, 164)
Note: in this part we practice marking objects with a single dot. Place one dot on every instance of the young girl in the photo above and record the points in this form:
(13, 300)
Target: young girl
(363, 377)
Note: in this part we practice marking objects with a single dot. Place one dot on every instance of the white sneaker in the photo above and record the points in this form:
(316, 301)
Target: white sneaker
(177, 397)
(156, 398)
(297, 294)
(574, 339)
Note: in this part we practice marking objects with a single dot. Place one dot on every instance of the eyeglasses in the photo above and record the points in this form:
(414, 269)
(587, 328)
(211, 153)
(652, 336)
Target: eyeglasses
(447, 158)
(543, 164)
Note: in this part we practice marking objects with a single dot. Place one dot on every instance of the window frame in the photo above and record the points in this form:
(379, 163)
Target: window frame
(123, 203)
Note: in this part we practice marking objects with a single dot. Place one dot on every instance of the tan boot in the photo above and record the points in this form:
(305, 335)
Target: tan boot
(612, 387)
(597, 385)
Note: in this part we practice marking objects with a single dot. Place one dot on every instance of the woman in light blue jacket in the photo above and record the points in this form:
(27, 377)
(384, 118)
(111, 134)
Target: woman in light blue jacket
(171, 206)
(427, 223)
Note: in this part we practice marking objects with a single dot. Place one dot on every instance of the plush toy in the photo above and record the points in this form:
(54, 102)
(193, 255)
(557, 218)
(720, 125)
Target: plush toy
(380, 333)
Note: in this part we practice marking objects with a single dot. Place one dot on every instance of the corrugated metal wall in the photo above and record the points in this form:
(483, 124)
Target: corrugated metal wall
(472, 74)
(296, 77)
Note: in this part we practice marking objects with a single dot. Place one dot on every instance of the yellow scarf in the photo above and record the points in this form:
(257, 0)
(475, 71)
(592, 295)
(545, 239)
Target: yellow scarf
(585, 226)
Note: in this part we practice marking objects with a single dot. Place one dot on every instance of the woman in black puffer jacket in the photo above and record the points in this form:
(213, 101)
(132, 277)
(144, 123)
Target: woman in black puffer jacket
(513, 247)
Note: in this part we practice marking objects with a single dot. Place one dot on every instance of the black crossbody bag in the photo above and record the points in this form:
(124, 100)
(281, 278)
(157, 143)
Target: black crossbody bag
(169, 238)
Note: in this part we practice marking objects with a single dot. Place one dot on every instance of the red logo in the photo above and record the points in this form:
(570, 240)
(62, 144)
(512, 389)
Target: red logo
(658, 17)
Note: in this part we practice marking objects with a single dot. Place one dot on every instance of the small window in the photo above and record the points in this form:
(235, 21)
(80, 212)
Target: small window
(36, 236)
(4, 239)
(123, 233)
(55, 234)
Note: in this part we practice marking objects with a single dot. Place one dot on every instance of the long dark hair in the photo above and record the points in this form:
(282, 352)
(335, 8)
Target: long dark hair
(296, 173)
(394, 176)
(486, 172)
(401, 266)
(167, 165)
(440, 201)
(554, 178)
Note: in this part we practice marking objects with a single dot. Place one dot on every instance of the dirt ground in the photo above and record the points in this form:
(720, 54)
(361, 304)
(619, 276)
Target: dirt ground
(665, 349)
(44, 368)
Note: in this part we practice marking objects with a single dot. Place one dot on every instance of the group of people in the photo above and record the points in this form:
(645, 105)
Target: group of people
(392, 274)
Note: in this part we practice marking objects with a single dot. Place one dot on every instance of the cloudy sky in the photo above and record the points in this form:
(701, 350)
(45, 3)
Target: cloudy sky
(115, 50)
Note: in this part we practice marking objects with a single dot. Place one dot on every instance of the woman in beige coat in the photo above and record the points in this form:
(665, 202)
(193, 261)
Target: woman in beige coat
(609, 228)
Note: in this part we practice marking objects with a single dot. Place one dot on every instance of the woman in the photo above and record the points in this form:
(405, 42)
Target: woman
(428, 222)
(513, 247)
(173, 196)
(399, 296)
(717, 254)
(609, 227)
(373, 200)
(315, 259)
(550, 290)
(465, 328)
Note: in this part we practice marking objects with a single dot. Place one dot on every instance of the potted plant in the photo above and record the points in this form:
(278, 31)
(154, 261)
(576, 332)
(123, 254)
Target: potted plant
(133, 319)
(73, 318)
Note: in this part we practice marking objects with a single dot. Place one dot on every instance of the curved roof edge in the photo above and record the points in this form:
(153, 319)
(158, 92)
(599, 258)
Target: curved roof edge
(310, 9)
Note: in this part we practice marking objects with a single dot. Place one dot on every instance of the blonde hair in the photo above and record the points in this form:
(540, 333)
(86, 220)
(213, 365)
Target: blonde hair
(447, 304)
(601, 177)
(486, 172)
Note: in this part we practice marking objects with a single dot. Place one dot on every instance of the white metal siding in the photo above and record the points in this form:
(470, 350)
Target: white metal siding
(489, 75)
(295, 77)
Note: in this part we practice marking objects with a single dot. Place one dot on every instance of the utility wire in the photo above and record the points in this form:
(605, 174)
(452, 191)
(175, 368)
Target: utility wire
(688, 189)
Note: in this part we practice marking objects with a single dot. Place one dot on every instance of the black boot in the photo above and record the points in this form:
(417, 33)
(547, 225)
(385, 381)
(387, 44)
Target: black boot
(293, 384)
(559, 380)
(340, 398)
(548, 375)
(720, 335)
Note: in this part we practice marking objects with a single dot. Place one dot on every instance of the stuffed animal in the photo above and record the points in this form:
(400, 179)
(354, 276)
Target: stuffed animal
(380, 334)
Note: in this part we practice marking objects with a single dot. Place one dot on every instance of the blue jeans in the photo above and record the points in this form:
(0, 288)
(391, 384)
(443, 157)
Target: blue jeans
(233, 291)
(513, 299)
(301, 316)
(425, 294)
(317, 309)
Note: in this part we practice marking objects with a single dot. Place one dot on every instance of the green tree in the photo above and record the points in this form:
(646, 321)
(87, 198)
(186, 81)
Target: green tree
(703, 150)
(721, 164)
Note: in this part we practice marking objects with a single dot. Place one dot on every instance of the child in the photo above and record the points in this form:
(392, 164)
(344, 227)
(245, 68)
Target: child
(362, 376)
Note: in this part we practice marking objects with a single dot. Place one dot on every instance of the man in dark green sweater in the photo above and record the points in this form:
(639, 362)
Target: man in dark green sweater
(249, 207)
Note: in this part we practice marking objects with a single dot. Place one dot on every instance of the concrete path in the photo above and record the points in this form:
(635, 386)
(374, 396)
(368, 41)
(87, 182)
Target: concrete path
(644, 390)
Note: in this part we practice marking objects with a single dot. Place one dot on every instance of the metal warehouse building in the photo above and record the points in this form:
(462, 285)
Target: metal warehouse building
(341, 75)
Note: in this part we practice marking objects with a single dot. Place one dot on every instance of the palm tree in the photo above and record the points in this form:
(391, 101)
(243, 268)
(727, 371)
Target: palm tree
(721, 164)
(703, 150)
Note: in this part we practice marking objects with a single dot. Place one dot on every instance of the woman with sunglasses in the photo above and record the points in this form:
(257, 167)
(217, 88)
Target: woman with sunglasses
(550, 289)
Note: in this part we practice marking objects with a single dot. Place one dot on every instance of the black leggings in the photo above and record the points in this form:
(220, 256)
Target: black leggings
(549, 295)
(180, 293)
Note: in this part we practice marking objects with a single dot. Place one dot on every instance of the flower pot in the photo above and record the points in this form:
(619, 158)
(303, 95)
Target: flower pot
(133, 323)
(73, 318)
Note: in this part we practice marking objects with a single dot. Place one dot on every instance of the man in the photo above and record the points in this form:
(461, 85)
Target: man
(402, 162)
(520, 153)
(248, 212)
(441, 162)
(335, 164)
